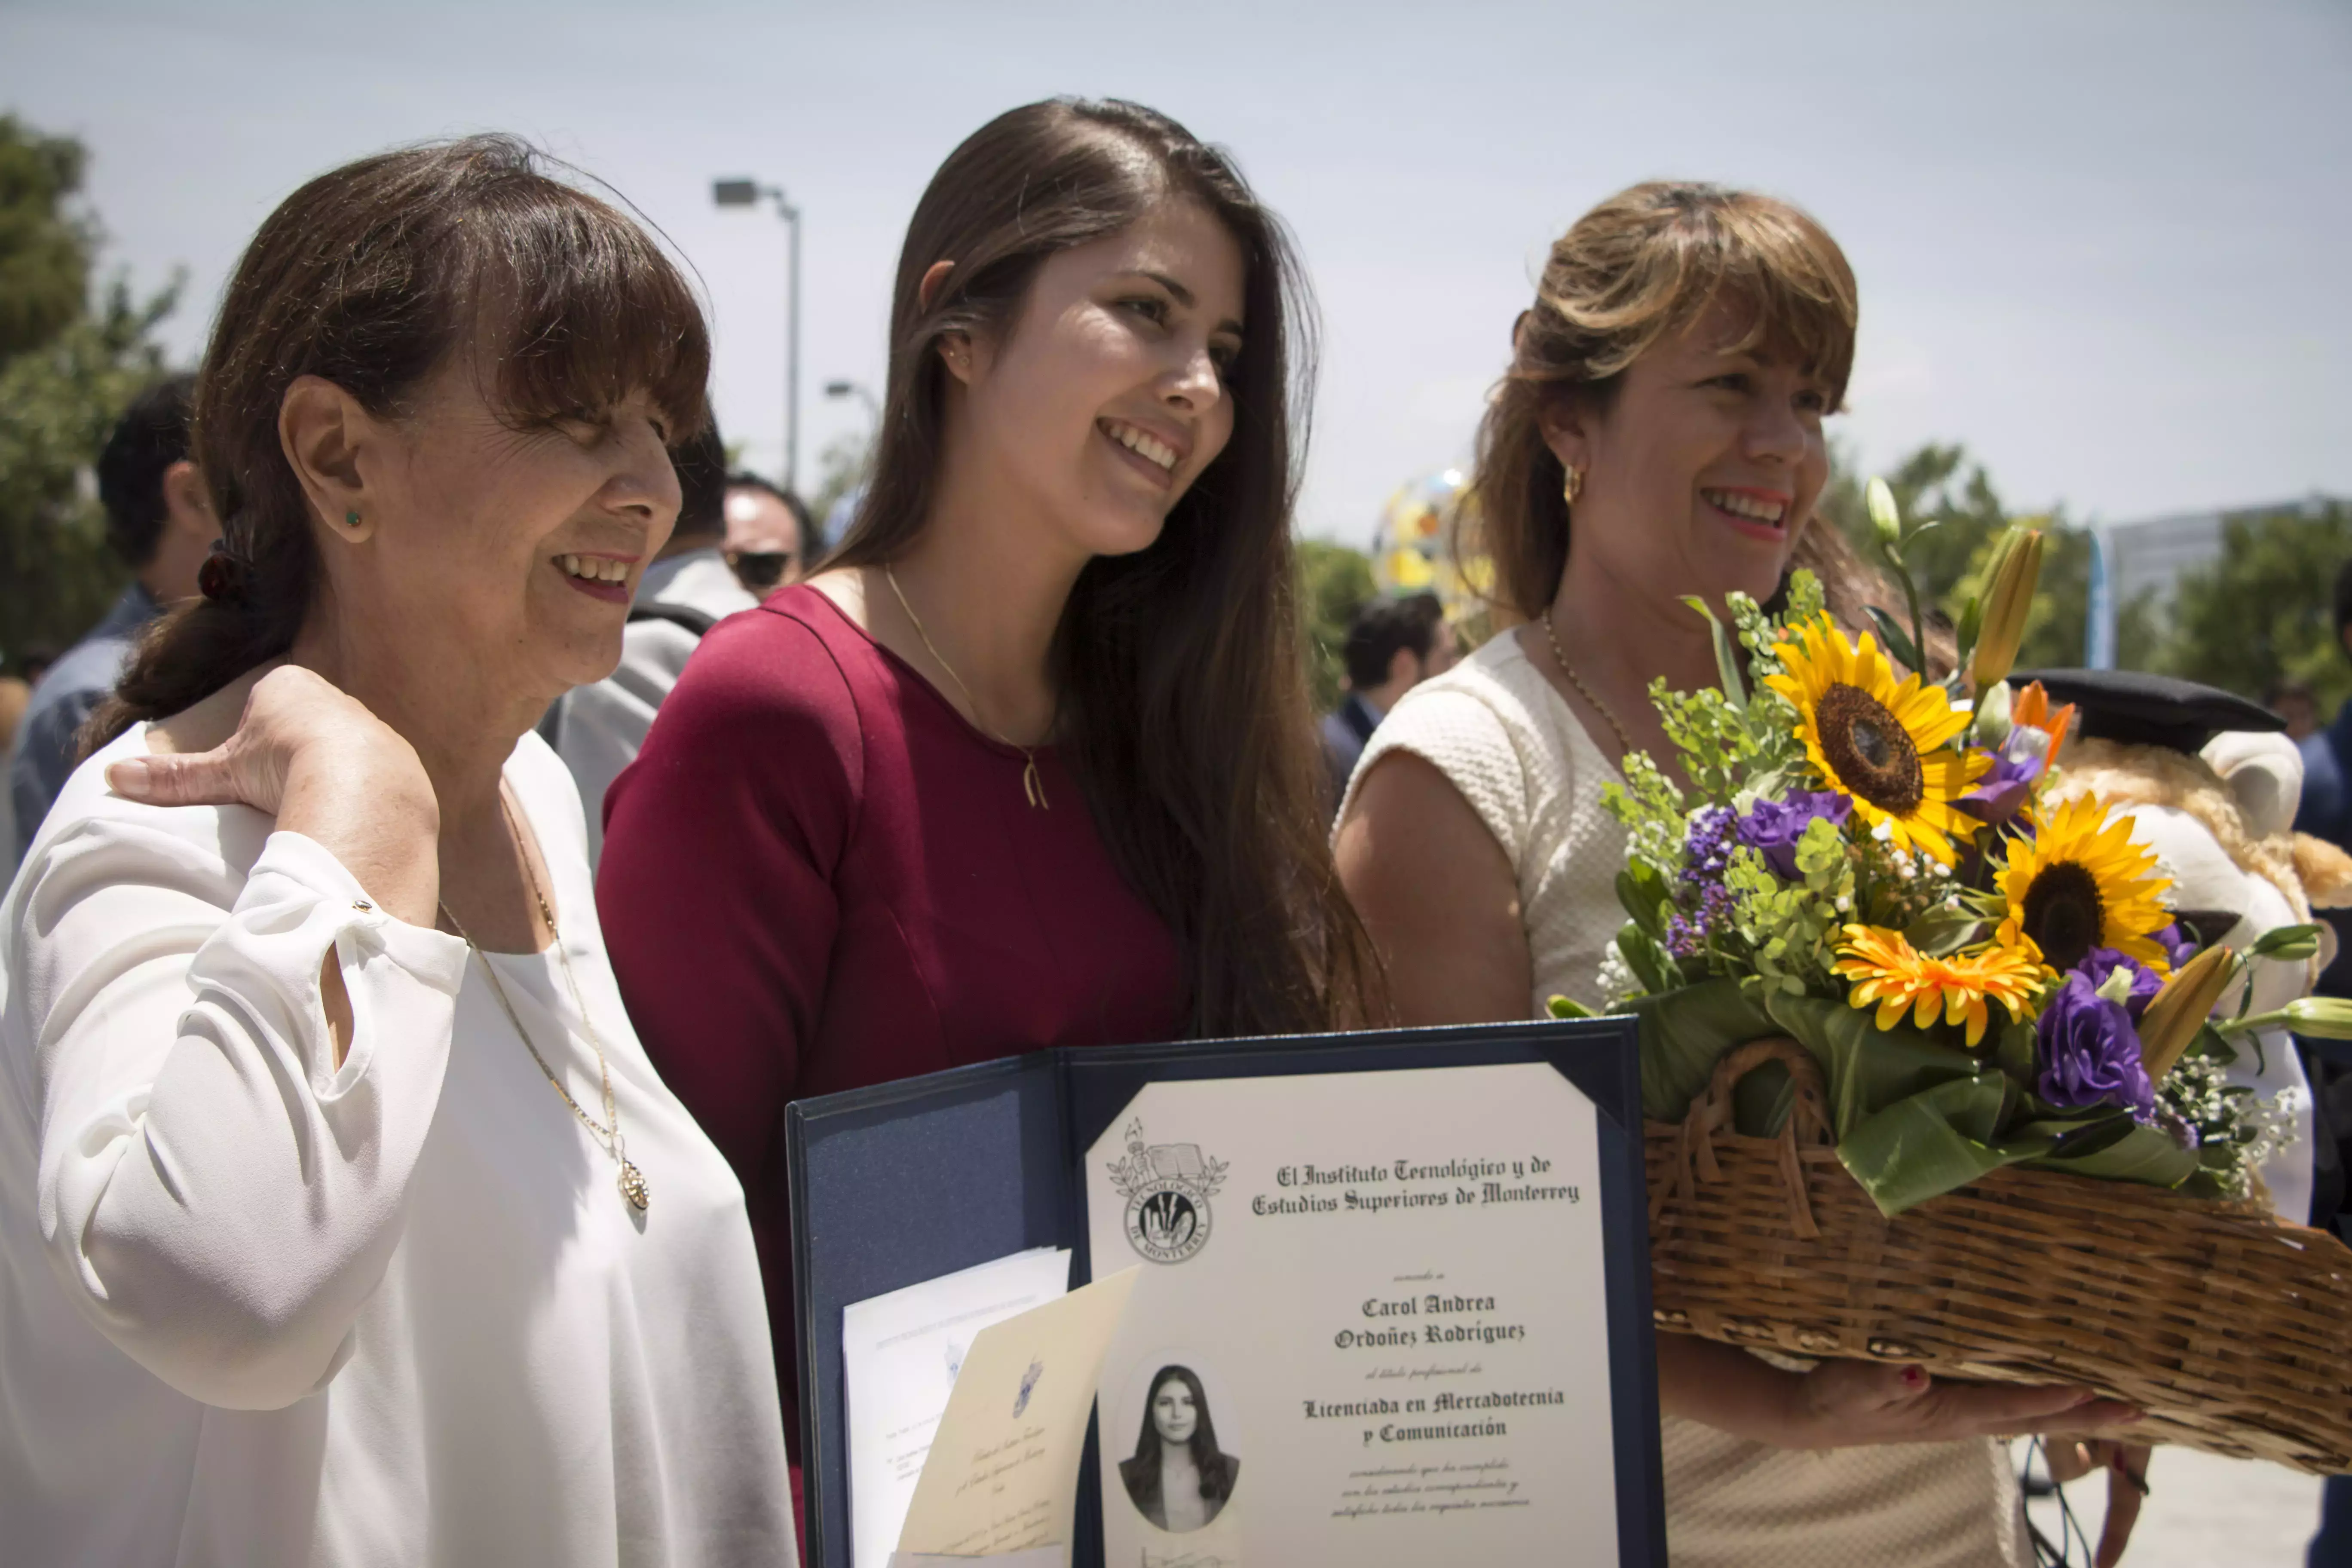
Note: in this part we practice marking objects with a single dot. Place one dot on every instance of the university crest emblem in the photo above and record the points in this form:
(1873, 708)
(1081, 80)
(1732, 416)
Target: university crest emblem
(1166, 1188)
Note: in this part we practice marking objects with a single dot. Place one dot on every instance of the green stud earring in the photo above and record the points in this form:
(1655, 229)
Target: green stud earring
(351, 518)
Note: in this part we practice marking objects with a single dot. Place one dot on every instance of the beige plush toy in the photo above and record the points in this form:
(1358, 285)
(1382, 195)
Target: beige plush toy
(2218, 810)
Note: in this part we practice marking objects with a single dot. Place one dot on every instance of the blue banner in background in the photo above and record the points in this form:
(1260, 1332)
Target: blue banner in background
(2099, 630)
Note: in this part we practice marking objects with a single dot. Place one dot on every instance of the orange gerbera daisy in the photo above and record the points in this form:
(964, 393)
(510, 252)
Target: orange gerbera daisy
(1888, 970)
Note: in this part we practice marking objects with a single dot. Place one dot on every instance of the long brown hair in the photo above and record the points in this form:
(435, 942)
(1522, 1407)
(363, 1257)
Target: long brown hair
(1640, 267)
(1181, 667)
(371, 275)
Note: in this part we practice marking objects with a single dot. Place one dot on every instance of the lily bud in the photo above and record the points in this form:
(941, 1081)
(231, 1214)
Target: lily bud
(2289, 944)
(1884, 516)
(1993, 725)
(2321, 1017)
(2007, 602)
(2181, 1009)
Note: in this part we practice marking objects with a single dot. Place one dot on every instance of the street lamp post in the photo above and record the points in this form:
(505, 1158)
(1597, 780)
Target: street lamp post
(861, 392)
(745, 194)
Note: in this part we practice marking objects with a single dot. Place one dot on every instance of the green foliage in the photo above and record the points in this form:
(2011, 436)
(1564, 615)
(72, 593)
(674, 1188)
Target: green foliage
(1952, 561)
(45, 250)
(1928, 485)
(1788, 928)
(2264, 612)
(1723, 743)
(1334, 583)
(66, 372)
(1650, 808)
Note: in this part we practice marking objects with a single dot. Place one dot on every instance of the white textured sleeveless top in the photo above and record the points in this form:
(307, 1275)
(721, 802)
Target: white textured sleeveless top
(1494, 726)
(1503, 736)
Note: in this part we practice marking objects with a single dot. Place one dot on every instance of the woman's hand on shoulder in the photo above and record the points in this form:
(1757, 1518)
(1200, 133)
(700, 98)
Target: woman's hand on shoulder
(318, 761)
(1848, 1404)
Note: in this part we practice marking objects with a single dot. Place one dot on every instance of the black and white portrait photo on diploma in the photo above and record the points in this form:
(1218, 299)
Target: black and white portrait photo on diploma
(1180, 1477)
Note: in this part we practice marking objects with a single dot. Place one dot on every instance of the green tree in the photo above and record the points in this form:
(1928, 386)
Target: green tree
(2263, 611)
(1949, 561)
(1334, 581)
(67, 370)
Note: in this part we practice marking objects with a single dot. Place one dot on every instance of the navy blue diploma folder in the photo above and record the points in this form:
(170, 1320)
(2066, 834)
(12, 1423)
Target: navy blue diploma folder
(905, 1181)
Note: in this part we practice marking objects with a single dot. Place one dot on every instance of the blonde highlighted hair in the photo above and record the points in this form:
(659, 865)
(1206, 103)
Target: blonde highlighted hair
(1642, 265)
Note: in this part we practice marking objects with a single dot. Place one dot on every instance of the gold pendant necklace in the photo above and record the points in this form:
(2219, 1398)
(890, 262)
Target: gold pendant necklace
(1032, 782)
(1590, 695)
(632, 1180)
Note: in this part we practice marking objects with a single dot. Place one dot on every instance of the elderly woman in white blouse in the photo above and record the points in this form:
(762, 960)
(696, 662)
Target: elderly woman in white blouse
(341, 1218)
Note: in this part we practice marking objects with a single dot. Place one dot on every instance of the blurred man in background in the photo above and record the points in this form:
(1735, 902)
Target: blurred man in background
(2298, 704)
(160, 521)
(2327, 813)
(2327, 808)
(597, 730)
(1393, 644)
(771, 538)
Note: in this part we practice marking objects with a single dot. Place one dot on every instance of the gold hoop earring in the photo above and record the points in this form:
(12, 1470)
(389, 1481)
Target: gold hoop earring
(1567, 491)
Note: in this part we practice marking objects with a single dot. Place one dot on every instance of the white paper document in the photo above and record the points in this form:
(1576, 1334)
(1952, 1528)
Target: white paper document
(1371, 1327)
(1001, 1480)
(901, 1356)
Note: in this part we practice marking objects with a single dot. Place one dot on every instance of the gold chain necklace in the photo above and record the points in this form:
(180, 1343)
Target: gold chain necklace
(631, 1180)
(1591, 696)
(1032, 783)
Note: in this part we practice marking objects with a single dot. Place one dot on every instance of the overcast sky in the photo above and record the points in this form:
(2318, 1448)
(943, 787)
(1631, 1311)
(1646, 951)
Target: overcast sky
(2103, 243)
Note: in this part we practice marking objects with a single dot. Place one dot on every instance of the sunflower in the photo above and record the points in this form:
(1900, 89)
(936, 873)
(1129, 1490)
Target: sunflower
(1881, 742)
(1887, 969)
(2079, 882)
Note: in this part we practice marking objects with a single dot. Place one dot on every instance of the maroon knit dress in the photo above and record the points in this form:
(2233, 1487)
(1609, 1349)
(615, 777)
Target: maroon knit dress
(818, 876)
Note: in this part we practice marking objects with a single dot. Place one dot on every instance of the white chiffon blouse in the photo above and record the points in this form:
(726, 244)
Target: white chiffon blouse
(258, 1309)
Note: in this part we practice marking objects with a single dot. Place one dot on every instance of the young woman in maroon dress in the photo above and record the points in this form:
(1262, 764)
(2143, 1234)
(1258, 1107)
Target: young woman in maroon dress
(1031, 762)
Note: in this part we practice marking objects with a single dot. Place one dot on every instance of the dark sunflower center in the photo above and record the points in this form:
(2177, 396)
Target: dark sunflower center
(1870, 749)
(2063, 914)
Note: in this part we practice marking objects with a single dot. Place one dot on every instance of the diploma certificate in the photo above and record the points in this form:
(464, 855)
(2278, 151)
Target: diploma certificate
(1372, 1325)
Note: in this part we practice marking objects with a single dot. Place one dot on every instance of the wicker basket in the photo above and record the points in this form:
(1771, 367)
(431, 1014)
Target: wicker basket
(2232, 1330)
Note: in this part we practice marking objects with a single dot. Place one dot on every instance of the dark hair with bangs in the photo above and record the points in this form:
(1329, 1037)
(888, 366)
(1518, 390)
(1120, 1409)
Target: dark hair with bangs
(1181, 667)
(1642, 266)
(371, 277)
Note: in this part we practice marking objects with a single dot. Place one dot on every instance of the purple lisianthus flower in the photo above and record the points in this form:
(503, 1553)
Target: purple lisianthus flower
(2090, 1052)
(1772, 827)
(2001, 792)
(2178, 949)
(2103, 961)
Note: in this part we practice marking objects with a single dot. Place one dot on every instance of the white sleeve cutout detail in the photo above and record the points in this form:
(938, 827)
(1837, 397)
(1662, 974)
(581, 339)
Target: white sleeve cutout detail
(217, 1195)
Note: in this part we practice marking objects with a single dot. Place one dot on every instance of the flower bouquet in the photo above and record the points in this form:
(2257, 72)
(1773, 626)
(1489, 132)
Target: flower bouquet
(1932, 1071)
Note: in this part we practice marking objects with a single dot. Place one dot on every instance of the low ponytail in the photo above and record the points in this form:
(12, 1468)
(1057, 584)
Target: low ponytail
(370, 276)
(257, 594)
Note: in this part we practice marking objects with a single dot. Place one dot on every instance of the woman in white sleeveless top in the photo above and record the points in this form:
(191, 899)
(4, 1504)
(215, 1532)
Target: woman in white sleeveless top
(1668, 390)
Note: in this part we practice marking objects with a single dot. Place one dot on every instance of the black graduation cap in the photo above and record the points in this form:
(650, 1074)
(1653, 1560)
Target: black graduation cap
(2135, 708)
